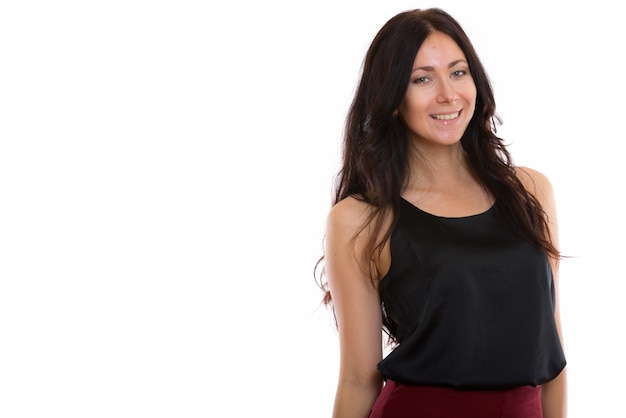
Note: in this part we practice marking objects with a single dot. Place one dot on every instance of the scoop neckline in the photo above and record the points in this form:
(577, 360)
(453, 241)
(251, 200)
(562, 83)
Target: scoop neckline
(485, 212)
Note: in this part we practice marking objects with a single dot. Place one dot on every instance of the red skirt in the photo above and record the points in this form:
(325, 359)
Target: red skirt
(403, 401)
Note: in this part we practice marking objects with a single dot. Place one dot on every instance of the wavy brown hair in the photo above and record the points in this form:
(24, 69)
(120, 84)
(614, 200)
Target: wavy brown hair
(375, 162)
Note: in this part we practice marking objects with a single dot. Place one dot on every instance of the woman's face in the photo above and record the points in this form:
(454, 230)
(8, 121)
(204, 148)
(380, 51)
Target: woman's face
(441, 96)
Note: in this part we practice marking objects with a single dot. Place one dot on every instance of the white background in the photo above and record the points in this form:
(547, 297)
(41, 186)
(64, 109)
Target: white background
(165, 172)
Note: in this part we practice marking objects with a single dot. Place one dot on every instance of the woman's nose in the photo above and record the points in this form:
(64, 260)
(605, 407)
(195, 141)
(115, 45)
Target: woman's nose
(446, 93)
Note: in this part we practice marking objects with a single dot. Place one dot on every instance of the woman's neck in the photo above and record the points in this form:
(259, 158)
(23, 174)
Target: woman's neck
(440, 169)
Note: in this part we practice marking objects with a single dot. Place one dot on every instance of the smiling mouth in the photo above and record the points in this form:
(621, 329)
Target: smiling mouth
(447, 116)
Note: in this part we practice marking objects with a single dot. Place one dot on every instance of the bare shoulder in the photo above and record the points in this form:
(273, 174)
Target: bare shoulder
(349, 213)
(350, 206)
(345, 241)
(540, 186)
(536, 182)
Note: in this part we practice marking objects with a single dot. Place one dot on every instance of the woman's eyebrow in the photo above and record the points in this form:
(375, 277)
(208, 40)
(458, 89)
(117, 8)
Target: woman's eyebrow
(431, 68)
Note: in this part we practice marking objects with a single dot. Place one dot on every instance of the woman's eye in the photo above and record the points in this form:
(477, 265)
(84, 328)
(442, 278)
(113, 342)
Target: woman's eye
(459, 73)
(420, 80)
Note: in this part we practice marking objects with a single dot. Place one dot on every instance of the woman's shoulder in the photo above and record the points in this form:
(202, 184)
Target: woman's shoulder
(536, 183)
(352, 221)
(349, 212)
(534, 180)
(355, 217)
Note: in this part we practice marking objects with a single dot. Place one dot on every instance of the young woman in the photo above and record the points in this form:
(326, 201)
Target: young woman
(436, 238)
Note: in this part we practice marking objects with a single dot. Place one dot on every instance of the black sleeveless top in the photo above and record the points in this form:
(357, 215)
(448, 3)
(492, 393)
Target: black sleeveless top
(470, 302)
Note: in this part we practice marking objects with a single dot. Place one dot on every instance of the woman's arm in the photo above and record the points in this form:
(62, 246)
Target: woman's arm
(357, 309)
(553, 393)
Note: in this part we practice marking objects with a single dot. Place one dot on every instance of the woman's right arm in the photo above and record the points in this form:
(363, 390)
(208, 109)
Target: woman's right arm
(357, 309)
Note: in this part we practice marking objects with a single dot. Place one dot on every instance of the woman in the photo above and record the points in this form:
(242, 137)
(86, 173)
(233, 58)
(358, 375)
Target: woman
(437, 239)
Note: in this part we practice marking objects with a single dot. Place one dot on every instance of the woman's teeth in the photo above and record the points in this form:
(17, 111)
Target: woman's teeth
(448, 116)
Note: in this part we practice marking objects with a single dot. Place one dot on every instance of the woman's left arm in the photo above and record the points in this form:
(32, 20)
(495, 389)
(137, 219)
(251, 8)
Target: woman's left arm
(553, 393)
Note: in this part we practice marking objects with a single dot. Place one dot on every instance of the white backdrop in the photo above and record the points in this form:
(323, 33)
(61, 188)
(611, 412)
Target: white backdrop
(165, 172)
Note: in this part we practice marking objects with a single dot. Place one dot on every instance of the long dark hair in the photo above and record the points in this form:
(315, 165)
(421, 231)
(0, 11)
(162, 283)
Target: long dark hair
(375, 146)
